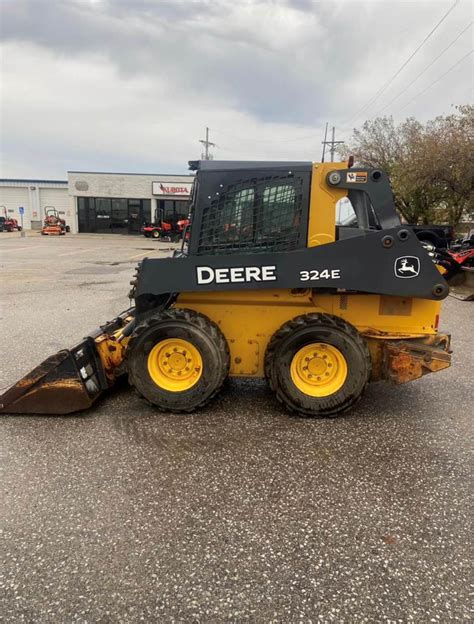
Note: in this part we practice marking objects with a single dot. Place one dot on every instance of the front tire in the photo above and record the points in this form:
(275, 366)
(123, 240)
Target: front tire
(178, 360)
(317, 365)
(155, 234)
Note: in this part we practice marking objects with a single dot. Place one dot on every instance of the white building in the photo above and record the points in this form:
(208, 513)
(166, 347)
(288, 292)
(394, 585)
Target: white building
(107, 203)
(34, 196)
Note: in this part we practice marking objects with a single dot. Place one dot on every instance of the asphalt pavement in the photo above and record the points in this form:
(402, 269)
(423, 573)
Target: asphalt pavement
(239, 512)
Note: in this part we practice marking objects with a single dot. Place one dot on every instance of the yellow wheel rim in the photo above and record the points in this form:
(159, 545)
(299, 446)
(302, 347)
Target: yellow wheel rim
(175, 365)
(318, 369)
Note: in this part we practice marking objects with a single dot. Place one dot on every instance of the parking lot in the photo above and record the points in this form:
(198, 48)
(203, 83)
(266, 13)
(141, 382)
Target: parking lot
(239, 512)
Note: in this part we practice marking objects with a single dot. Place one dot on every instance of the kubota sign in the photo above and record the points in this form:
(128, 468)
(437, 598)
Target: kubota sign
(172, 189)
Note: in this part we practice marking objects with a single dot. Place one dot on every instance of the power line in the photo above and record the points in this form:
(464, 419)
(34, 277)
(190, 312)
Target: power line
(424, 70)
(252, 140)
(437, 79)
(389, 82)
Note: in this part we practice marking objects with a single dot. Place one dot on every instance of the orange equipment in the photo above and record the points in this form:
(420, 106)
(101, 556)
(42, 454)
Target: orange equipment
(53, 224)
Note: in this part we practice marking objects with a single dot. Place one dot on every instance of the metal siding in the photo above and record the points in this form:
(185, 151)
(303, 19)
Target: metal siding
(12, 197)
(54, 197)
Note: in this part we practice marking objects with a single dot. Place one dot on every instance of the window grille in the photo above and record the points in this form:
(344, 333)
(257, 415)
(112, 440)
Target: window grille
(255, 215)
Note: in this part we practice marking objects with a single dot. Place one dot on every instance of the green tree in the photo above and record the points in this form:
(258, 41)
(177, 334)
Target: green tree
(430, 166)
(450, 143)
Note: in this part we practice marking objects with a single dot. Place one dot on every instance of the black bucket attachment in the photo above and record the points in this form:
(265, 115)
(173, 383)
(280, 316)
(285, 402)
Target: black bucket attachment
(72, 379)
(69, 381)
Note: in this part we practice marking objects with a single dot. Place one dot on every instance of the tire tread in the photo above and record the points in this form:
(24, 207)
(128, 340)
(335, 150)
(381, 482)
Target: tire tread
(198, 320)
(299, 322)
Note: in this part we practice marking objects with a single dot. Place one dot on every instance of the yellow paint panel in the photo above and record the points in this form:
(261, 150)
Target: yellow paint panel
(249, 319)
(322, 207)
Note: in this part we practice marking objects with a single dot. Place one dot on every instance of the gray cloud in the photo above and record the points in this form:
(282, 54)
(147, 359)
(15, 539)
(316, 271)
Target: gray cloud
(267, 70)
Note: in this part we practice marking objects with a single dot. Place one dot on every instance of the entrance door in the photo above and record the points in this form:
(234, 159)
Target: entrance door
(173, 211)
(119, 224)
(103, 215)
(135, 216)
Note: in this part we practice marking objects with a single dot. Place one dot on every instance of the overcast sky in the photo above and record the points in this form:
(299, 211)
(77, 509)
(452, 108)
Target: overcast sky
(122, 85)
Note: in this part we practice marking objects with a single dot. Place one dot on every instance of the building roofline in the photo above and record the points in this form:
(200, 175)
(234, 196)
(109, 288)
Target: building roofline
(29, 181)
(169, 175)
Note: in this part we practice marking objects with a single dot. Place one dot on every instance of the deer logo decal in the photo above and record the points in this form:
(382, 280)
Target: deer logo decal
(407, 266)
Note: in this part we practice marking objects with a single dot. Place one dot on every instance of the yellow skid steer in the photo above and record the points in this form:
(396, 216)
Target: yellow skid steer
(269, 283)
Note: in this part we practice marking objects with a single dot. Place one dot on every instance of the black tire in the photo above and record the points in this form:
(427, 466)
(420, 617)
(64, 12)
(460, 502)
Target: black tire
(193, 327)
(321, 328)
(155, 234)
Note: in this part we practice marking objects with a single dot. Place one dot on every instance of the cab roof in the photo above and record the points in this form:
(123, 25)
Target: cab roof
(229, 165)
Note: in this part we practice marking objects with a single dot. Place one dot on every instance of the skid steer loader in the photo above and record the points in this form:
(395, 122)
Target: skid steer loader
(267, 284)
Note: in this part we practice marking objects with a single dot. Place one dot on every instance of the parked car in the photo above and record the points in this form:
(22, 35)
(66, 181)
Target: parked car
(440, 236)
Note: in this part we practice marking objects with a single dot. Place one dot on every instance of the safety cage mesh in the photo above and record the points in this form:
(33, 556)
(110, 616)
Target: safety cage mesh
(253, 215)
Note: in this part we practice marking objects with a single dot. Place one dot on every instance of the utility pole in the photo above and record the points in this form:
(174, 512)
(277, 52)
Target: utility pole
(324, 142)
(207, 144)
(332, 143)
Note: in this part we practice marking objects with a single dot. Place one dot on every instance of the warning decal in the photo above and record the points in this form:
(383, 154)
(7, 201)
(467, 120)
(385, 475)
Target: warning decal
(357, 176)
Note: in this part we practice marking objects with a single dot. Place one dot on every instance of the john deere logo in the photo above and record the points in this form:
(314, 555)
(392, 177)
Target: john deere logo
(407, 266)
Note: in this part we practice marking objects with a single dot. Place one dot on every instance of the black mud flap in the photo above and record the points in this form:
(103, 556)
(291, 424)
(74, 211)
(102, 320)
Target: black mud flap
(69, 381)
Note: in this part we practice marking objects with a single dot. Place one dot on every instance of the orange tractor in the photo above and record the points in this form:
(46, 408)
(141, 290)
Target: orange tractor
(53, 224)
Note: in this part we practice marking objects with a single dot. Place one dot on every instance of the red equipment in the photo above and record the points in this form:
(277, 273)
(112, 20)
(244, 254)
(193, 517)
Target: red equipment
(463, 283)
(8, 224)
(53, 224)
(464, 257)
(165, 229)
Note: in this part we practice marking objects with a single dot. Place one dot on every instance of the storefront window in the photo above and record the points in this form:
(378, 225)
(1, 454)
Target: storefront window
(171, 210)
(111, 216)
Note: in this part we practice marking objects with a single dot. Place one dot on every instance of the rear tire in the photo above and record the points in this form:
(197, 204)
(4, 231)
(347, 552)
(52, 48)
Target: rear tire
(178, 360)
(318, 365)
